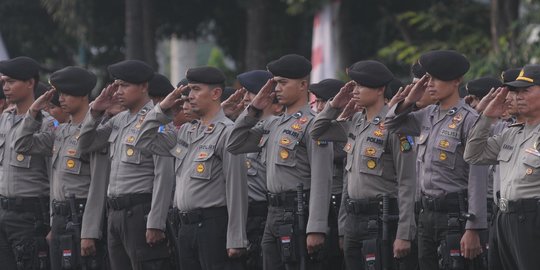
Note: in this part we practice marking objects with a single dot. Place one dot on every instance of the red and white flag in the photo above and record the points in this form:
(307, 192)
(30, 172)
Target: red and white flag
(324, 47)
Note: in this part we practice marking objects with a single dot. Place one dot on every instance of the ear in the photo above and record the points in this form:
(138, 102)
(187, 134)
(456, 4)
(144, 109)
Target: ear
(144, 87)
(458, 81)
(32, 83)
(216, 93)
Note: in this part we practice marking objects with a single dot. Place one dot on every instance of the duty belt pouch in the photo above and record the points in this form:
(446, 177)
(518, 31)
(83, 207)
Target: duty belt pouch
(287, 243)
(371, 248)
(69, 252)
(450, 252)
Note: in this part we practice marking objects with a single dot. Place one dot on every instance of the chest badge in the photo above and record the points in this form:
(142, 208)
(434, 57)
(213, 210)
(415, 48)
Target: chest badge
(200, 168)
(284, 154)
(443, 156)
(370, 151)
(130, 139)
(70, 163)
(444, 144)
(130, 152)
(20, 157)
(371, 164)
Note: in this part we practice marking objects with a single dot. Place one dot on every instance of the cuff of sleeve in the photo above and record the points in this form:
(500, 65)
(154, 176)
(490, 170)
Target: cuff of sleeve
(162, 116)
(317, 227)
(405, 232)
(485, 122)
(237, 243)
(155, 225)
(91, 233)
(477, 224)
(34, 123)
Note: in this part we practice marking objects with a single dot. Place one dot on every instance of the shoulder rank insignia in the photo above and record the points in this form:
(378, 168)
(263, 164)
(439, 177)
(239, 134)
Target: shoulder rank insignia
(516, 125)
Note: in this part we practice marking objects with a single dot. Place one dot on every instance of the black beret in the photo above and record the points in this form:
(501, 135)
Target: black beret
(40, 89)
(131, 71)
(481, 86)
(74, 81)
(528, 76)
(227, 92)
(292, 66)
(182, 82)
(370, 73)
(254, 80)
(56, 99)
(417, 70)
(326, 89)
(510, 75)
(392, 88)
(462, 91)
(444, 65)
(20, 68)
(206, 75)
(159, 86)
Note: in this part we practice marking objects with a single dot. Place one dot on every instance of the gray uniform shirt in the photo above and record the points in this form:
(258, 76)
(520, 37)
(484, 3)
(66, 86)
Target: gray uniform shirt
(132, 170)
(441, 143)
(22, 174)
(206, 174)
(515, 149)
(292, 157)
(256, 172)
(378, 162)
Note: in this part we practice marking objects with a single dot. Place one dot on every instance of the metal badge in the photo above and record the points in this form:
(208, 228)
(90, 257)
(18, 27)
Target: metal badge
(503, 205)
(130, 152)
(200, 168)
(284, 154)
(20, 157)
(70, 163)
(371, 164)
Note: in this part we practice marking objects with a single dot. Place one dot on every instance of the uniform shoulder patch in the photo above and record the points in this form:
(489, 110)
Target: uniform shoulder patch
(405, 143)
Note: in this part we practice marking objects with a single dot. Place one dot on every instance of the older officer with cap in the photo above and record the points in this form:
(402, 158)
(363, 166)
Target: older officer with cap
(252, 82)
(24, 182)
(449, 186)
(378, 164)
(292, 157)
(70, 175)
(212, 188)
(140, 184)
(517, 153)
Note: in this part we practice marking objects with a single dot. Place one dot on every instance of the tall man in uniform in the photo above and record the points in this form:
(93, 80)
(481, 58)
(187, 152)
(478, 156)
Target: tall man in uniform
(516, 150)
(24, 182)
(211, 194)
(378, 163)
(70, 174)
(292, 157)
(140, 184)
(446, 180)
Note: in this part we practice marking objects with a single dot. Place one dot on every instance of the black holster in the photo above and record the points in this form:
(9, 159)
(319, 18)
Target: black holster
(287, 243)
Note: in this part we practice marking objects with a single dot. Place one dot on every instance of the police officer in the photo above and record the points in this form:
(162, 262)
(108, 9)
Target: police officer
(252, 82)
(479, 88)
(449, 186)
(516, 152)
(212, 188)
(324, 91)
(378, 164)
(70, 175)
(159, 87)
(292, 157)
(140, 184)
(24, 184)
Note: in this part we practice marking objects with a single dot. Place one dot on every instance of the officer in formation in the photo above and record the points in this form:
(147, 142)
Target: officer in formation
(110, 167)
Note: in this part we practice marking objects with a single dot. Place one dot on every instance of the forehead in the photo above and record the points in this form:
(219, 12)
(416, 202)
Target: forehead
(197, 85)
(7, 78)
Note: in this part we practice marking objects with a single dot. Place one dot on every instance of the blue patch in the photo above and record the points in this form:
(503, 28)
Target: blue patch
(161, 129)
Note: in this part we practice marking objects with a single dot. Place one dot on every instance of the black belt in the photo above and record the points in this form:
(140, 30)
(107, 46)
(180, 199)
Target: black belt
(448, 203)
(522, 205)
(199, 215)
(128, 201)
(258, 209)
(285, 199)
(24, 204)
(370, 206)
(63, 208)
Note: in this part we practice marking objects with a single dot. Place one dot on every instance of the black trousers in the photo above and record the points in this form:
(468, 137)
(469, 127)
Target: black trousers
(518, 236)
(203, 245)
(126, 241)
(356, 231)
(22, 237)
(333, 256)
(56, 247)
(256, 222)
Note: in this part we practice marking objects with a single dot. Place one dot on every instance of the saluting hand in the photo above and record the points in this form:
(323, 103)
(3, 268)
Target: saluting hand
(343, 96)
(497, 106)
(173, 99)
(414, 93)
(481, 106)
(349, 111)
(400, 95)
(234, 105)
(41, 103)
(266, 96)
(105, 99)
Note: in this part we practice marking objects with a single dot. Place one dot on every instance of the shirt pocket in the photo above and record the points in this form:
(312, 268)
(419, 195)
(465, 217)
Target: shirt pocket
(203, 166)
(532, 167)
(445, 152)
(112, 140)
(349, 149)
(251, 171)
(262, 144)
(371, 161)
(20, 160)
(504, 156)
(131, 155)
(179, 153)
(287, 152)
(422, 145)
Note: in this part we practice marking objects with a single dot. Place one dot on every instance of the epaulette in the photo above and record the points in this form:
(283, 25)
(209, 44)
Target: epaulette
(520, 125)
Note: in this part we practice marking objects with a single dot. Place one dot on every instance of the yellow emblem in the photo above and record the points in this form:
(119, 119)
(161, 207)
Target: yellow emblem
(248, 164)
(210, 128)
(370, 151)
(303, 120)
(130, 139)
(444, 144)
(458, 117)
(200, 168)
(70, 163)
(203, 155)
(378, 133)
(442, 156)
(20, 157)
(296, 126)
(130, 152)
(284, 154)
(285, 141)
(452, 126)
(529, 171)
(71, 152)
(178, 150)
(371, 164)
(138, 126)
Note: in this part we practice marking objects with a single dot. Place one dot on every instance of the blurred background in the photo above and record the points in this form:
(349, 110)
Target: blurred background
(240, 35)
